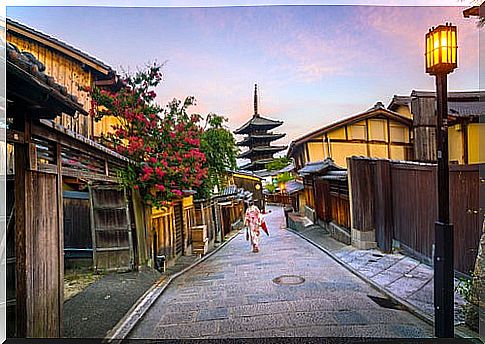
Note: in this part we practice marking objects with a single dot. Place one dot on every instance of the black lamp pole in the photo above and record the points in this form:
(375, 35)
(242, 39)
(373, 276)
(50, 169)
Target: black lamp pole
(441, 59)
(443, 258)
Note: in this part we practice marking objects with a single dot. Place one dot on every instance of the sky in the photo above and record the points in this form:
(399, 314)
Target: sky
(313, 64)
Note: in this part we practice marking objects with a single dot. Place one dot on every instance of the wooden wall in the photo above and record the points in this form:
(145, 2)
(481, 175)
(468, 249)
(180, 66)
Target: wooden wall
(71, 74)
(399, 201)
(377, 137)
(66, 72)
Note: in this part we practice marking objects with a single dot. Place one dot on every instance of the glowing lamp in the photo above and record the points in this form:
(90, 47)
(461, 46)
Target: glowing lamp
(441, 50)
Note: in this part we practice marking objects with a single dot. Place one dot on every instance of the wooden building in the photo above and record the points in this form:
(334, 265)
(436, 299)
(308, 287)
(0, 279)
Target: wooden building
(44, 156)
(71, 68)
(258, 140)
(465, 133)
(377, 132)
(321, 160)
(64, 197)
(250, 182)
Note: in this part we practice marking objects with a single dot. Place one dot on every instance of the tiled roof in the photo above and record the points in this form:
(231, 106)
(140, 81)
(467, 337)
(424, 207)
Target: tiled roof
(61, 44)
(256, 165)
(466, 109)
(258, 121)
(255, 137)
(318, 166)
(250, 152)
(335, 175)
(26, 66)
(293, 186)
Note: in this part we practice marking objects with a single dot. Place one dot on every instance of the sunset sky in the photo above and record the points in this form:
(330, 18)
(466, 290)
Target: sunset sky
(313, 64)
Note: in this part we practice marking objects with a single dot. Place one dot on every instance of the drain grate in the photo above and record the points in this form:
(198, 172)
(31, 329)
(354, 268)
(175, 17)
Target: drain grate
(289, 280)
(386, 303)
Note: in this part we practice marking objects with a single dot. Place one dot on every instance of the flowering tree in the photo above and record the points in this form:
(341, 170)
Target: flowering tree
(163, 143)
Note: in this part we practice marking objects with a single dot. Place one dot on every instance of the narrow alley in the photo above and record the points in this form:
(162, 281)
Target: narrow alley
(289, 289)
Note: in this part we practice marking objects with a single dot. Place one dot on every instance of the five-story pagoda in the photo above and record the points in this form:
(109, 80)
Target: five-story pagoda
(258, 139)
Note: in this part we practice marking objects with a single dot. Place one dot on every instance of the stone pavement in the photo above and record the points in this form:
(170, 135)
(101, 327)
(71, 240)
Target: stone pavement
(400, 275)
(233, 294)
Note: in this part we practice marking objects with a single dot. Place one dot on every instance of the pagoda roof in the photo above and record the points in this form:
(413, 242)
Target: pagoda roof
(258, 122)
(254, 137)
(256, 165)
(260, 149)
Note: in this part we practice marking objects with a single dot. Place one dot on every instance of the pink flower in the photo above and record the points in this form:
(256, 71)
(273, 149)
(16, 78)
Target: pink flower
(177, 192)
(159, 172)
(160, 187)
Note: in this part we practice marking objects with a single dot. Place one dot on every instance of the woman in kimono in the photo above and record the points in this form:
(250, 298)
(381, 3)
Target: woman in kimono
(253, 220)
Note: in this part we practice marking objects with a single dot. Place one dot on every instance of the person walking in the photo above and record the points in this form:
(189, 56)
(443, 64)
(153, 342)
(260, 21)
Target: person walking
(253, 220)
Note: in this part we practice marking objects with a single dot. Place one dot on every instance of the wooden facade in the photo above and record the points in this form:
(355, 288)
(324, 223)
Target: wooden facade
(378, 133)
(70, 68)
(398, 200)
(465, 132)
(50, 153)
(249, 182)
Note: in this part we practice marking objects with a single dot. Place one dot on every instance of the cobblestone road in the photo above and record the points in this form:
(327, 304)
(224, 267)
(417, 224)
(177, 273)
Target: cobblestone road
(232, 294)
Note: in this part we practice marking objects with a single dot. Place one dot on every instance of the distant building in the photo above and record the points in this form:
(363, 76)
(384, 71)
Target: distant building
(464, 129)
(377, 132)
(258, 139)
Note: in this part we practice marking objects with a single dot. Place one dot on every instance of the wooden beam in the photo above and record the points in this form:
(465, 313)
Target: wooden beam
(465, 142)
(388, 139)
(367, 136)
(21, 213)
(60, 243)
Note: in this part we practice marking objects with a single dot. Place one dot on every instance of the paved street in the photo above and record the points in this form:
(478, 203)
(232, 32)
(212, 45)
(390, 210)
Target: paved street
(233, 294)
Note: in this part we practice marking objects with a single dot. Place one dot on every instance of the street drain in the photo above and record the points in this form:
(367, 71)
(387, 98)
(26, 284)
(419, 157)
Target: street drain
(288, 280)
(386, 303)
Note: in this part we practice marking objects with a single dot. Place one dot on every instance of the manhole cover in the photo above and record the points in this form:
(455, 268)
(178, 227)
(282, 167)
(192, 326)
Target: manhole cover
(288, 280)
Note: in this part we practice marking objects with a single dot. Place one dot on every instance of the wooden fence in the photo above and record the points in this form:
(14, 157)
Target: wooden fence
(399, 201)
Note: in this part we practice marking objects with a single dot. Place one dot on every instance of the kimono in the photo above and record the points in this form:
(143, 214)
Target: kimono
(253, 220)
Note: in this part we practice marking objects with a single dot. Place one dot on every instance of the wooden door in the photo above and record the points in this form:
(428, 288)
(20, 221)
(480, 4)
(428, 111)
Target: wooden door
(322, 200)
(78, 241)
(111, 229)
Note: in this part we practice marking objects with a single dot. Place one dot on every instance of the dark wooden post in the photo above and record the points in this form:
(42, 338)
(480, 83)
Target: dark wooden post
(383, 209)
(39, 244)
(362, 202)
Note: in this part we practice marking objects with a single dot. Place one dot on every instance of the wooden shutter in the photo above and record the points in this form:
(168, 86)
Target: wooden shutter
(111, 229)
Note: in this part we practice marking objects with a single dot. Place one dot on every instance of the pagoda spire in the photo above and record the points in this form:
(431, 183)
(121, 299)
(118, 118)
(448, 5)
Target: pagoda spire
(256, 100)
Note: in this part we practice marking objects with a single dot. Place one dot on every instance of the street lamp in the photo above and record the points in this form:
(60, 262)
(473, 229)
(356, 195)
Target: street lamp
(441, 59)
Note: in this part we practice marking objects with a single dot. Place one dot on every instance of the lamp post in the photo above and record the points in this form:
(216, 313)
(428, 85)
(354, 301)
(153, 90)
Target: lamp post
(441, 57)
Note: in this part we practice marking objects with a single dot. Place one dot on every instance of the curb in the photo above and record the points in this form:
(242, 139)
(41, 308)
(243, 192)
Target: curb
(143, 304)
(409, 307)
